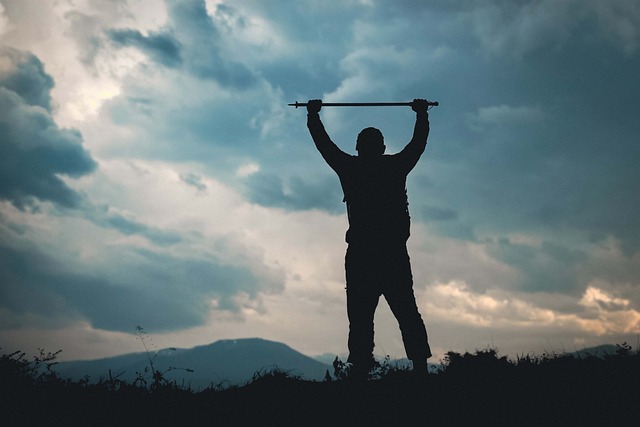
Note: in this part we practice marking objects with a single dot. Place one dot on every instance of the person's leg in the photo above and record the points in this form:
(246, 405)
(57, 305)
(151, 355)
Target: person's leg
(362, 300)
(399, 294)
(414, 334)
(361, 306)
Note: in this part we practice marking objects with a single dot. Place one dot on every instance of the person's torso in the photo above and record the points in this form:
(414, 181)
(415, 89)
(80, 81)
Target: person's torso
(376, 198)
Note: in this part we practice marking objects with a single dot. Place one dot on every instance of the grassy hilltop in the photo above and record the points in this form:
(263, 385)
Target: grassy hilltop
(471, 389)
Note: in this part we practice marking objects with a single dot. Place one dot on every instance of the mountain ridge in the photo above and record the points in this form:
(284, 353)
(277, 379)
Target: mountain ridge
(228, 361)
(223, 362)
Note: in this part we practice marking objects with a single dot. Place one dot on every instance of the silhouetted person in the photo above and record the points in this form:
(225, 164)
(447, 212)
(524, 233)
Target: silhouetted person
(377, 261)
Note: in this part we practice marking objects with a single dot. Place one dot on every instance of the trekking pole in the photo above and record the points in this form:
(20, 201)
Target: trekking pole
(364, 104)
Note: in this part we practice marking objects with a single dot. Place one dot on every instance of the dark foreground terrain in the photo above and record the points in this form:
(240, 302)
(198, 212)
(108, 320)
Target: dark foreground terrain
(480, 389)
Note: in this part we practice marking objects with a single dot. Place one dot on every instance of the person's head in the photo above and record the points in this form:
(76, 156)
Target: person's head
(370, 143)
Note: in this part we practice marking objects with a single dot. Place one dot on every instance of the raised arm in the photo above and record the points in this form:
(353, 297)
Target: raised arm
(329, 151)
(414, 149)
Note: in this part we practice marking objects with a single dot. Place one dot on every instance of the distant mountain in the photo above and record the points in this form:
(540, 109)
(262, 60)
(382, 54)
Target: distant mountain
(599, 351)
(226, 362)
(328, 358)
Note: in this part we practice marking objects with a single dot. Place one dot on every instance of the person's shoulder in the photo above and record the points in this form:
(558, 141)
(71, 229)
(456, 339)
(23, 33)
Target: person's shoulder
(346, 162)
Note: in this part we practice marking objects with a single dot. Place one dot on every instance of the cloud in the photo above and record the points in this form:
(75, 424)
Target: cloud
(523, 27)
(194, 180)
(24, 75)
(189, 38)
(504, 115)
(162, 48)
(435, 213)
(83, 27)
(125, 285)
(594, 312)
(34, 150)
(4, 21)
(596, 298)
(269, 189)
(526, 28)
(107, 217)
(620, 21)
(544, 267)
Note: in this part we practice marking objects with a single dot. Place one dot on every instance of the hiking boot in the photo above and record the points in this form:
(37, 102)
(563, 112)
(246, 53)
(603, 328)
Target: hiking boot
(420, 370)
(359, 371)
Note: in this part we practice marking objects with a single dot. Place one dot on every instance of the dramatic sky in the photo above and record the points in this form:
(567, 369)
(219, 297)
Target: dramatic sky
(152, 174)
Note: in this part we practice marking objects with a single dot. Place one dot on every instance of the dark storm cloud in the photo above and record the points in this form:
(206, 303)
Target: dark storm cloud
(28, 79)
(269, 189)
(104, 217)
(435, 213)
(225, 128)
(159, 291)
(190, 39)
(34, 151)
(315, 36)
(162, 48)
(570, 167)
(121, 289)
(201, 38)
(549, 267)
(536, 131)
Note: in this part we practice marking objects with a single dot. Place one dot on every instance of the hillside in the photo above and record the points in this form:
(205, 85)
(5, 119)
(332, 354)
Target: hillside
(227, 362)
